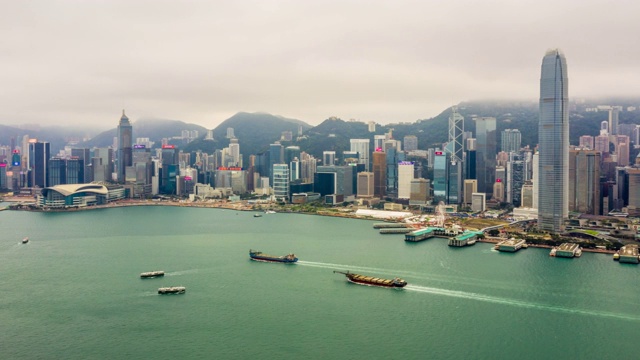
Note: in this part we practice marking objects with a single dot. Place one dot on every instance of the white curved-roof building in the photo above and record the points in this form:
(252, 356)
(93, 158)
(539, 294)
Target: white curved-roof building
(78, 195)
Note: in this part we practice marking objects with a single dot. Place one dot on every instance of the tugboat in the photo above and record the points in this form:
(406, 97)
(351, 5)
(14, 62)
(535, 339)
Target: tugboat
(172, 290)
(260, 256)
(25, 240)
(373, 281)
(152, 274)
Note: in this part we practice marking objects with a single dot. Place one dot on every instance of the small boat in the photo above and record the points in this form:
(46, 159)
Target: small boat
(260, 256)
(373, 281)
(152, 274)
(25, 240)
(172, 290)
(257, 215)
(269, 212)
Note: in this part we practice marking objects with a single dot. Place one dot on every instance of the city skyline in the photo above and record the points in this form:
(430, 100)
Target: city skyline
(73, 63)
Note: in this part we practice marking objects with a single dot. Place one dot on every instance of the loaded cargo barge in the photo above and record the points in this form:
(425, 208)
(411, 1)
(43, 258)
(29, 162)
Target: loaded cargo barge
(152, 274)
(172, 290)
(373, 281)
(260, 256)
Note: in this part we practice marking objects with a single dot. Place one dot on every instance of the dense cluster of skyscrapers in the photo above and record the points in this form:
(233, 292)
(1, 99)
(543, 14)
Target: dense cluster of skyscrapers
(594, 177)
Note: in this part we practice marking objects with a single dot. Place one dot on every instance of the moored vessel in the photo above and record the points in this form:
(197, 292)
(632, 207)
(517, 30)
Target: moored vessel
(172, 290)
(260, 256)
(373, 281)
(25, 240)
(152, 274)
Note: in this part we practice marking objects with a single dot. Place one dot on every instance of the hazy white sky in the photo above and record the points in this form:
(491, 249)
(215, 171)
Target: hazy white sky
(79, 62)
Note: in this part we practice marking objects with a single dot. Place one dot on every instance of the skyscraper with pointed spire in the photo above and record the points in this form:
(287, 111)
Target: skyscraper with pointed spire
(553, 142)
(125, 145)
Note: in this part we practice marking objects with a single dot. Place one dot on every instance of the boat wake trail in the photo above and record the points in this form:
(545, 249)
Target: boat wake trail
(517, 303)
(341, 267)
(183, 272)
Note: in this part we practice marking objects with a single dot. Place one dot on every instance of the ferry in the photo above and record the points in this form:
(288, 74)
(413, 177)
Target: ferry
(25, 240)
(152, 274)
(260, 256)
(373, 281)
(172, 290)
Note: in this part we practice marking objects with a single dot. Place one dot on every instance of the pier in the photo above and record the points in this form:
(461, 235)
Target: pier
(464, 239)
(628, 254)
(421, 234)
(511, 245)
(567, 250)
(388, 225)
(395, 231)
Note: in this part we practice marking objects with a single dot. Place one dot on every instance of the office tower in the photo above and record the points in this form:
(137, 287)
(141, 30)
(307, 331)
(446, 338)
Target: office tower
(393, 156)
(372, 126)
(234, 153)
(405, 176)
(170, 169)
(294, 170)
(455, 147)
(633, 207)
(470, 187)
(276, 156)
(498, 191)
(527, 195)
(584, 181)
(535, 181)
(614, 112)
(511, 140)
(479, 202)
(365, 185)
(602, 143)
(586, 142)
(4, 183)
(486, 149)
(410, 143)
(378, 141)
(290, 153)
(330, 180)
(621, 143)
(440, 171)
(362, 147)
(39, 154)
(419, 192)
(125, 143)
(351, 158)
(328, 158)
(515, 179)
(84, 155)
(553, 134)
(230, 134)
(379, 174)
(471, 144)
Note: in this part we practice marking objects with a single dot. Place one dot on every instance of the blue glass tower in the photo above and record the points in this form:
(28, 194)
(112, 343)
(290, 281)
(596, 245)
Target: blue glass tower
(553, 141)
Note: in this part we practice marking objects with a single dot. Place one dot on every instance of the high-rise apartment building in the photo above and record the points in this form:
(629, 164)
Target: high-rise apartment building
(586, 142)
(125, 146)
(410, 143)
(553, 140)
(511, 140)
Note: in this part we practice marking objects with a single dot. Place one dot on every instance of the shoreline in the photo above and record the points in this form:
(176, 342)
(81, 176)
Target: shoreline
(237, 207)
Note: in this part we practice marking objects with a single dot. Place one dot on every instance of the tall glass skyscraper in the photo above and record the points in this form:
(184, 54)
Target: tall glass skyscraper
(553, 141)
(125, 144)
(486, 150)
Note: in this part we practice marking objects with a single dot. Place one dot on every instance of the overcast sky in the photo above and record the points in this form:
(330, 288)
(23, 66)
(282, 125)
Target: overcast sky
(80, 62)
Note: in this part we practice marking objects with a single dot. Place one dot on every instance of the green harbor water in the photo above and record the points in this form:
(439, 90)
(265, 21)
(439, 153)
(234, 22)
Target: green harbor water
(74, 292)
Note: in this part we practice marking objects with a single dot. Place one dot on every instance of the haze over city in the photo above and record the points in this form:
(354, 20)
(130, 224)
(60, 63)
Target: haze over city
(69, 62)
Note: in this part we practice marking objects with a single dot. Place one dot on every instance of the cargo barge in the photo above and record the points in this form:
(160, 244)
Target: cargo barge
(260, 256)
(152, 274)
(172, 290)
(373, 281)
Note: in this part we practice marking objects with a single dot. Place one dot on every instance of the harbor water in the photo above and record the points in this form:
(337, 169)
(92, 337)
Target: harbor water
(74, 291)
